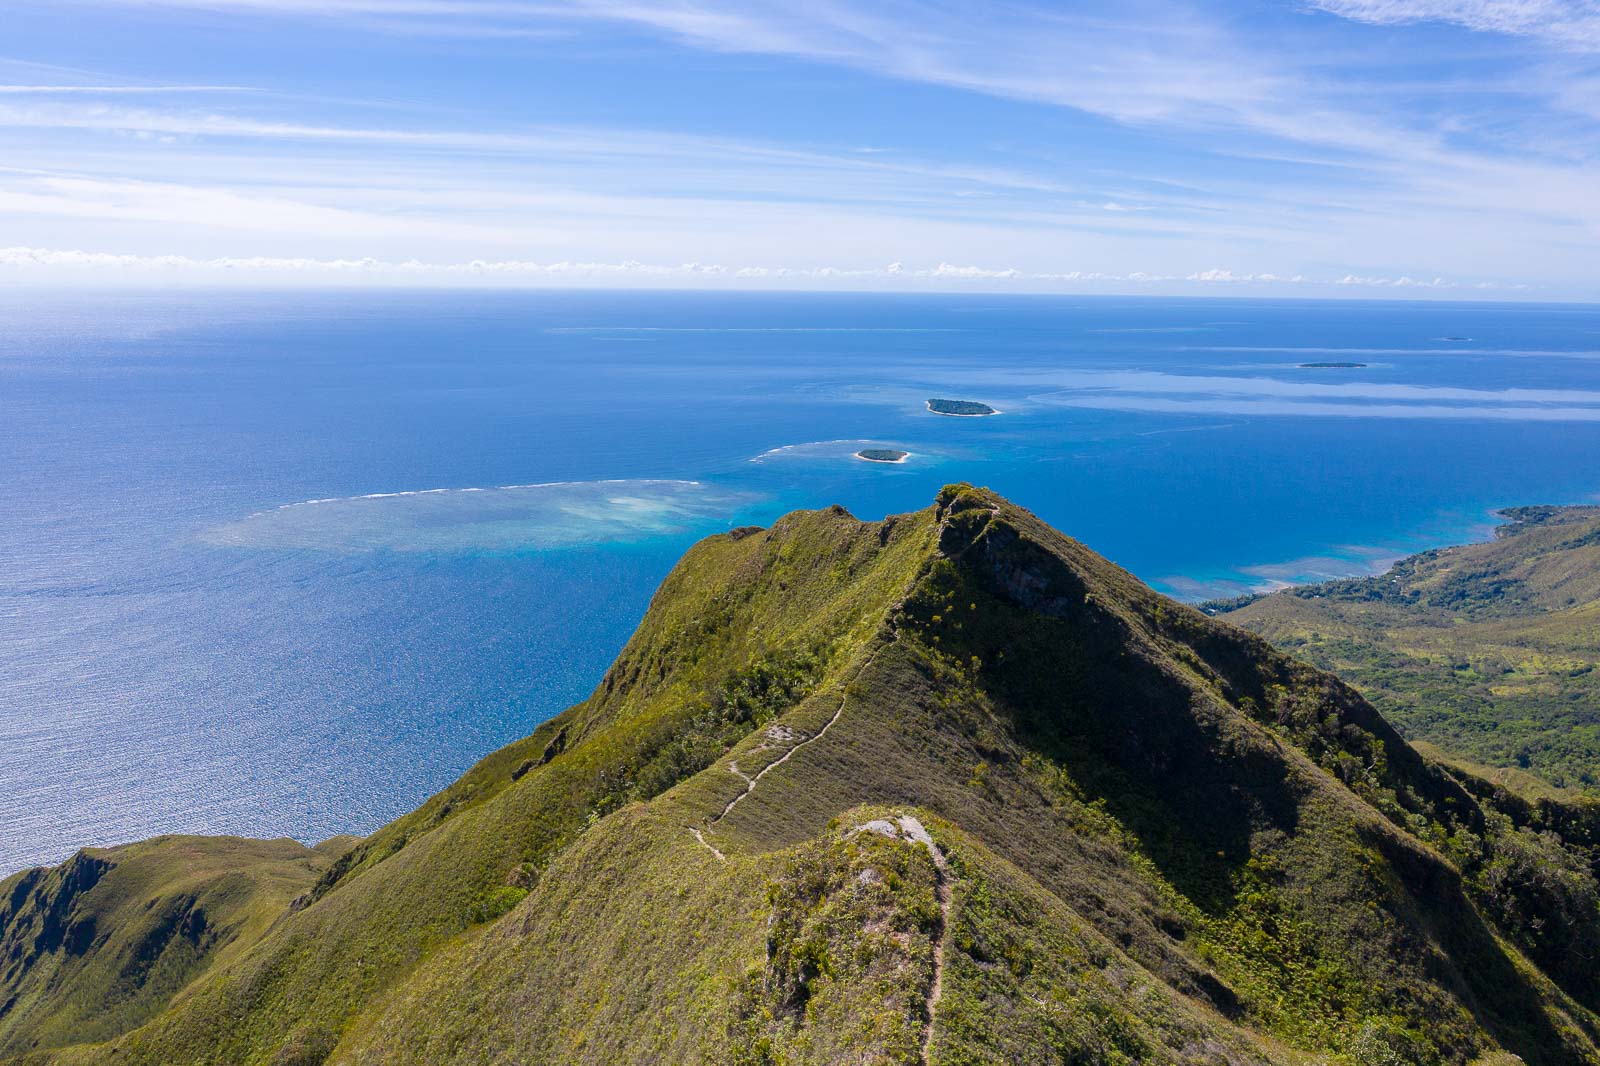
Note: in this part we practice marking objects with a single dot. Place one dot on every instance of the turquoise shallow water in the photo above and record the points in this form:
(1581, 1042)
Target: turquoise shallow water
(288, 563)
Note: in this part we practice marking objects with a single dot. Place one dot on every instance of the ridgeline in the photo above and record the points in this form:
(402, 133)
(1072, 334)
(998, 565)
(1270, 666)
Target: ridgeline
(945, 788)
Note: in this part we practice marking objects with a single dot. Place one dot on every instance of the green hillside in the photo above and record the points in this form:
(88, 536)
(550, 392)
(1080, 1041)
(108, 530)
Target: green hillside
(945, 788)
(1487, 650)
(98, 945)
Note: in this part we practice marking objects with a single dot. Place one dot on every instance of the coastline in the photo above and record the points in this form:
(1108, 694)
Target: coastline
(1502, 521)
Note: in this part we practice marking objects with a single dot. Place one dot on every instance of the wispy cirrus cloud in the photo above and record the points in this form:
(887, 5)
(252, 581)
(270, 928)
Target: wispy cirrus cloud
(119, 90)
(1153, 63)
(1154, 66)
(1179, 134)
(576, 167)
(1571, 24)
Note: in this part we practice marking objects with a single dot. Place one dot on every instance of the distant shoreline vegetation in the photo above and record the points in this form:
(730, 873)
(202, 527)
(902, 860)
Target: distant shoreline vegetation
(1332, 366)
(882, 455)
(1426, 642)
(961, 408)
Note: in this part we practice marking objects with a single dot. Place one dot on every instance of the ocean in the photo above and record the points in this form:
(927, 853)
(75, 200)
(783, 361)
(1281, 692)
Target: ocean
(287, 563)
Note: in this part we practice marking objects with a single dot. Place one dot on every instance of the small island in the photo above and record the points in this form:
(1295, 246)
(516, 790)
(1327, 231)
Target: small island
(1455, 338)
(1332, 366)
(882, 455)
(961, 408)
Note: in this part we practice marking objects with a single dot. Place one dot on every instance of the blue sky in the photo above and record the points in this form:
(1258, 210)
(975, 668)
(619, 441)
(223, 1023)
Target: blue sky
(1443, 148)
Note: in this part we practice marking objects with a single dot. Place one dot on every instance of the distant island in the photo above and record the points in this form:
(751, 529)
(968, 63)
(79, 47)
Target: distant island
(1332, 366)
(1455, 338)
(882, 455)
(961, 408)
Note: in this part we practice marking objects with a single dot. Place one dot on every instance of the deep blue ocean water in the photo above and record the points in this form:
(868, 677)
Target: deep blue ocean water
(189, 643)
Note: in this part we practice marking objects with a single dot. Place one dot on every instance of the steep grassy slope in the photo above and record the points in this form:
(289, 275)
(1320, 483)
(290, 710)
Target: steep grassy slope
(1488, 650)
(745, 626)
(947, 788)
(98, 945)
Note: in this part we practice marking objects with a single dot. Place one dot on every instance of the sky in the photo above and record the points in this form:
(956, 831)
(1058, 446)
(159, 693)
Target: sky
(1367, 148)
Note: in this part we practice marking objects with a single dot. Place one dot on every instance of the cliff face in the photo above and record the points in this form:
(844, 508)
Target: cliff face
(943, 788)
(98, 945)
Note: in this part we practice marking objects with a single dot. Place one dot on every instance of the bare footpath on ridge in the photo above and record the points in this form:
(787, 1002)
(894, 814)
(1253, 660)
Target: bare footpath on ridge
(914, 829)
(701, 837)
(750, 782)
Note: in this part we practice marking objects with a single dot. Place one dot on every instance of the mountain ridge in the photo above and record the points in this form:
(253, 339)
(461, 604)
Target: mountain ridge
(947, 787)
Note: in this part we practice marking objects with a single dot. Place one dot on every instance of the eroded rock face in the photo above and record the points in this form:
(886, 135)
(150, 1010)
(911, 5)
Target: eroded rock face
(972, 531)
(1027, 576)
(41, 913)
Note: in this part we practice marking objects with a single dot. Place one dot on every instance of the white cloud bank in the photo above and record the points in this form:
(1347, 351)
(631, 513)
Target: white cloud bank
(22, 262)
